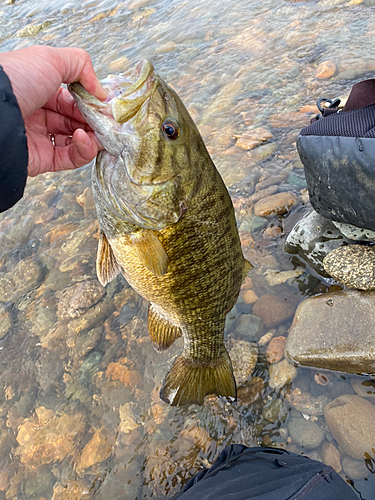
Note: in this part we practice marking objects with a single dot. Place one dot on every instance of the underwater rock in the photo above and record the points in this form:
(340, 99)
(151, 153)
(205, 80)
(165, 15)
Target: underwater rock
(20, 280)
(251, 391)
(281, 374)
(306, 403)
(364, 388)
(330, 455)
(244, 357)
(274, 309)
(74, 300)
(334, 331)
(356, 469)
(305, 433)
(275, 349)
(353, 266)
(5, 321)
(351, 421)
(99, 448)
(276, 204)
(312, 238)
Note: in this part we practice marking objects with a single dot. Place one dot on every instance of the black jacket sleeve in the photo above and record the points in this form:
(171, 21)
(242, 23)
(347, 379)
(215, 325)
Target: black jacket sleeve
(13, 147)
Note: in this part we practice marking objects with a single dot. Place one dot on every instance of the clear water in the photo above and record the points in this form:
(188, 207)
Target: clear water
(86, 374)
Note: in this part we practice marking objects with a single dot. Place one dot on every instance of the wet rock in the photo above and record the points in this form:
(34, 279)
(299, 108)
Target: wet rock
(128, 422)
(274, 309)
(275, 410)
(330, 456)
(250, 391)
(73, 490)
(33, 30)
(334, 332)
(250, 297)
(305, 433)
(253, 137)
(325, 70)
(266, 338)
(119, 371)
(244, 357)
(306, 403)
(279, 277)
(73, 301)
(323, 378)
(281, 374)
(340, 388)
(364, 388)
(20, 280)
(5, 320)
(99, 448)
(276, 204)
(4, 480)
(355, 233)
(351, 421)
(353, 266)
(275, 349)
(312, 238)
(355, 469)
(40, 484)
(248, 325)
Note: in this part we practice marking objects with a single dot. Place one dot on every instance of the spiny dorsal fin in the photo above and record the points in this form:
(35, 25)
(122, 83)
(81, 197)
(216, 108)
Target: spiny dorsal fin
(107, 267)
(150, 251)
(247, 267)
(190, 381)
(162, 333)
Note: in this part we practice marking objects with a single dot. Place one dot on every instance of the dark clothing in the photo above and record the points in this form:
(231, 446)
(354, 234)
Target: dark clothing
(242, 473)
(13, 147)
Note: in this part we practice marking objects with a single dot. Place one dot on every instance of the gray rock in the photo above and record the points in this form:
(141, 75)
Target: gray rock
(312, 238)
(354, 232)
(244, 357)
(275, 411)
(353, 266)
(364, 388)
(305, 433)
(5, 321)
(355, 469)
(248, 325)
(281, 374)
(351, 421)
(20, 280)
(334, 331)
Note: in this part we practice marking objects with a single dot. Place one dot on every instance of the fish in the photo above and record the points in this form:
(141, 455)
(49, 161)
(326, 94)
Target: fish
(167, 224)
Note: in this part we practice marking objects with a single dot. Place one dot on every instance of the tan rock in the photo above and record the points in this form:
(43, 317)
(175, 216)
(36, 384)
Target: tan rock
(251, 391)
(128, 422)
(364, 388)
(73, 490)
(266, 337)
(325, 70)
(250, 297)
(330, 455)
(167, 47)
(244, 356)
(355, 469)
(275, 349)
(247, 143)
(119, 64)
(273, 309)
(279, 277)
(281, 374)
(99, 448)
(44, 414)
(4, 480)
(5, 320)
(277, 204)
(118, 371)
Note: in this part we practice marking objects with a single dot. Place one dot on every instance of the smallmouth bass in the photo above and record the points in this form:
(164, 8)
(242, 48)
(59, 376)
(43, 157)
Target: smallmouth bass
(167, 223)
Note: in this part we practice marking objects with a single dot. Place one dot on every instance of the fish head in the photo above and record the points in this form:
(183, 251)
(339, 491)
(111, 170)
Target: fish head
(148, 175)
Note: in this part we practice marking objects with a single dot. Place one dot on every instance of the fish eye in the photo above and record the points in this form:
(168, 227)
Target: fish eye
(171, 130)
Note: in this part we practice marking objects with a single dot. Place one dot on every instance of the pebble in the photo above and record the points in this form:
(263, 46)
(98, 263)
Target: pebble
(281, 374)
(119, 371)
(266, 338)
(279, 277)
(249, 297)
(323, 378)
(5, 320)
(20, 280)
(330, 455)
(275, 410)
(76, 299)
(305, 433)
(325, 70)
(118, 65)
(253, 137)
(244, 357)
(355, 469)
(250, 391)
(364, 388)
(353, 266)
(276, 204)
(351, 421)
(99, 448)
(274, 309)
(275, 349)
(4, 480)
(249, 326)
(306, 403)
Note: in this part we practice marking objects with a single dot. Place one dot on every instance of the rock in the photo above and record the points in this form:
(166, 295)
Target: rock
(274, 309)
(276, 204)
(279, 277)
(306, 403)
(330, 455)
(305, 433)
(40, 484)
(275, 410)
(351, 421)
(325, 70)
(120, 64)
(249, 297)
(128, 422)
(355, 233)
(4, 480)
(341, 388)
(244, 357)
(334, 331)
(312, 238)
(250, 391)
(248, 325)
(323, 378)
(5, 320)
(20, 280)
(275, 349)
(73, 490)
(364, 388)
(76, 299)
(119, 371)
(33, 30)
(266, 338)
(253, 137)
(281, 374)
(355, 469)
(99, 448)
(353, 266)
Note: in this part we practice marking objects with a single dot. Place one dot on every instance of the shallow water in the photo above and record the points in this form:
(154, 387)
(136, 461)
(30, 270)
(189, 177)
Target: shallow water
(80, 415)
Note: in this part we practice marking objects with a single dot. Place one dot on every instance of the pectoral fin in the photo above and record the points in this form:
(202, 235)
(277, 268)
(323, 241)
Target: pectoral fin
(150, 251)
(162, 332)
(247, 267)
(107, 267)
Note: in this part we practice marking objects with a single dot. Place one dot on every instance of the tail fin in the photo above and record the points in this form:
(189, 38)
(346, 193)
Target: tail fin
(189, 381)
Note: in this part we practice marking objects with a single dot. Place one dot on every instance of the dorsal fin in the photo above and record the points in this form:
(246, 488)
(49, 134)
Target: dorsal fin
(107, 267)
(150, 251)
(162, 333)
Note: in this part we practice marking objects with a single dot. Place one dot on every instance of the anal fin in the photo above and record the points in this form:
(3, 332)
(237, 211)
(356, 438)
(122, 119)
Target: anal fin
(162, 333)
(107, 267)
(150, 251)
(189, 380)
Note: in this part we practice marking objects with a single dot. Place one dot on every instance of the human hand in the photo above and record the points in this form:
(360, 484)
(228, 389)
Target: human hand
(57, 135)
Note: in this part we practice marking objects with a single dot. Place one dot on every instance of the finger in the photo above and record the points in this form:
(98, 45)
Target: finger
(62, 102)
(57, 123)
(81, 151)
(62, 140)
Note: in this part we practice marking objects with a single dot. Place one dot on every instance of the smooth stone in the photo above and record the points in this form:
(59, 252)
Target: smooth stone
(325, 70)
(351, 421)
(364, 388)
(334, 331)
(244, 357)
(355, 469)
(354, 232)
(312, 238)
(330, 455)
(274, 309)
(353, 266)
(275, 349)
(276, 204)
(251, 391)
(274, 411)
(248, 325)
(306, 403)
(281, 374)
(305, 433)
